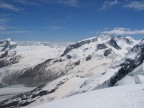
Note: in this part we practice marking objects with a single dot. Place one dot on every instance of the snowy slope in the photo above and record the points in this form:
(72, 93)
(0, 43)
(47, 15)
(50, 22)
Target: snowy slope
(115, 97)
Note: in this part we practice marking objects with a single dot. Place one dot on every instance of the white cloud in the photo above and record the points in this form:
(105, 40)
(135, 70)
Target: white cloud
(124, 31)
(108, 4)
(138, 5)
(8, 6)
(73, 3)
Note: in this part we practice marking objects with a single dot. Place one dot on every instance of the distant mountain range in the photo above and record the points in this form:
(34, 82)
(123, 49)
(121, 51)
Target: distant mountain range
(60, 70)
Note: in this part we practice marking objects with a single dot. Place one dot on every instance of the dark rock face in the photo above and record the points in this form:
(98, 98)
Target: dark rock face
(88, 57)
(77, 63)
(107, 52)
(5, 54)
(77, 45)
(113, 43)
(69, 56)
(41, 93)
(129, 65)
(58, 60)
(3, 63)
(101, 46)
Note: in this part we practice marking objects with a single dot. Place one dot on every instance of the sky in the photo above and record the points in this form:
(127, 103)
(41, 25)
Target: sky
(70, 20)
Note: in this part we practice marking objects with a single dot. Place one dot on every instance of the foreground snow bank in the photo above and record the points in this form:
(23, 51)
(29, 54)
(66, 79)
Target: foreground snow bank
(130, 96)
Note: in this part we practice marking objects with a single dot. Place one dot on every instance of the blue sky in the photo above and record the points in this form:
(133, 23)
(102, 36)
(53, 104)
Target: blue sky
(70, 20)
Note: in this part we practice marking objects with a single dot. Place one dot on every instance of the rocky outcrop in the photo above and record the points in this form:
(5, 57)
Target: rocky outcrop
(107, 52)
(89, 57)
(113, 43)
(101, 46)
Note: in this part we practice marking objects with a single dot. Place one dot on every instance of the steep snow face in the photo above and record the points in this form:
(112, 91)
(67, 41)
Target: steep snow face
(115, 97)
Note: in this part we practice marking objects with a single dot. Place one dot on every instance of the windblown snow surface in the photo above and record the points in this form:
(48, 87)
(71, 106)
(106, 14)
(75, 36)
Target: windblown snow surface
(131, 96)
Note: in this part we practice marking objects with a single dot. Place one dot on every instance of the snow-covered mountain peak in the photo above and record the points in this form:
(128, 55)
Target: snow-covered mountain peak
(100, 46)
(104, 37)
